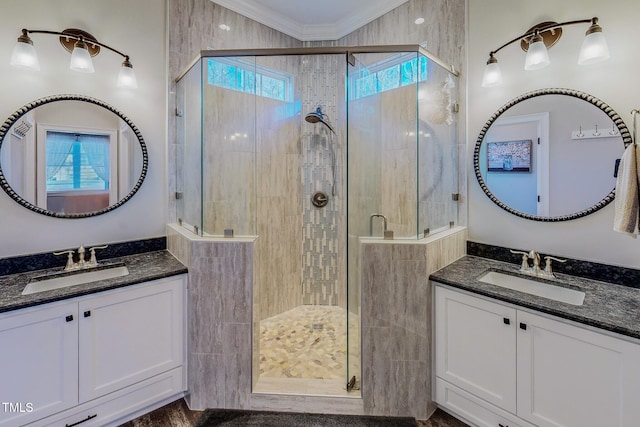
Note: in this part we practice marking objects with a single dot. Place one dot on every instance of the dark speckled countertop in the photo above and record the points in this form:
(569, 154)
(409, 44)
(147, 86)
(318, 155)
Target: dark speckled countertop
(606, 306)
(142, 267)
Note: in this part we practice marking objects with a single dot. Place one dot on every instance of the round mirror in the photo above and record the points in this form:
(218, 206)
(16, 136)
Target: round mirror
(71, 156)
(551, 155)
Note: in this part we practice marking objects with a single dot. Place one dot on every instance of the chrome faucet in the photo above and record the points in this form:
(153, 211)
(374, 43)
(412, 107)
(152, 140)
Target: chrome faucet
(384, 223)
(82, 263)
(535, 269)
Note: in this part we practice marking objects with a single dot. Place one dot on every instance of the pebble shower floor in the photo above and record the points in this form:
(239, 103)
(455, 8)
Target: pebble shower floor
(308, 341)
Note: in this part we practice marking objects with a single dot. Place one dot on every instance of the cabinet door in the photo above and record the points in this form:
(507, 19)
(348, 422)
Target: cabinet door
(130, 335)
(39, 361)
(475, 346)
(569, 376)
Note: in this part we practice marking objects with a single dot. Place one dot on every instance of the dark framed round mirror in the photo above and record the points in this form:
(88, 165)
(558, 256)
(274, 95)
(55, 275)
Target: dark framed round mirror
(71, 156)
(551, 155)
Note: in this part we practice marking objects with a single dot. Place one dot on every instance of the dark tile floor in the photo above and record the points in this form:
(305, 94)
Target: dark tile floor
(177, 414)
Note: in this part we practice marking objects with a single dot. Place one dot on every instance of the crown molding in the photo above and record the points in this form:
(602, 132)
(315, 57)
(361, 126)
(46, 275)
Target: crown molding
(322, 31)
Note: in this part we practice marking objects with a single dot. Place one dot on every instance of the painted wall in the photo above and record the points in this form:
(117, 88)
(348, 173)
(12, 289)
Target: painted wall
(494, 22)
(138, 29)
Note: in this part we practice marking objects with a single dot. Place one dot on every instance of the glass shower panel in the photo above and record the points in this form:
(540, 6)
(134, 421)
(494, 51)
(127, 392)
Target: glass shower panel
(189, 150)
(437, 148)
(382, 144)
(229, 86)
(363, 191)
(300, 266)
(381, 167)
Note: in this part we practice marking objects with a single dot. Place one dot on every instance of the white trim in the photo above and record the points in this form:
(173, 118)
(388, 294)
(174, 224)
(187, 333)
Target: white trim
(321, 31)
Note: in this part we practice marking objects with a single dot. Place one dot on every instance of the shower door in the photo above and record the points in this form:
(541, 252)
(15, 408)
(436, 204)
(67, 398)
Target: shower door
(300, 326)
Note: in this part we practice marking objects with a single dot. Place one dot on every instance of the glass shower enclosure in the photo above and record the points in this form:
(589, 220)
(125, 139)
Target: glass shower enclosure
(312, 151)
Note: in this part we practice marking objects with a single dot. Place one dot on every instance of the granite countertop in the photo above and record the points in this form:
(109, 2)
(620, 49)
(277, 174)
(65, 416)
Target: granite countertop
(142, 267)
(606, 306)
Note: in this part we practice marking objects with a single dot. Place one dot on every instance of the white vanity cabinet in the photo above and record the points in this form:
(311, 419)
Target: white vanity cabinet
(500, 366)
(94, 359)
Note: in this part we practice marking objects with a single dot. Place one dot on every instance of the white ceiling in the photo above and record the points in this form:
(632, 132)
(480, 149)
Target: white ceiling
(310, 20)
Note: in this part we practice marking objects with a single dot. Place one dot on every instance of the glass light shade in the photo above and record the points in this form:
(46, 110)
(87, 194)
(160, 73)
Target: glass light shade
(537, 56)
(24, 56)
(127, 78)
(594, 49)
(81, 60)
(492, 75)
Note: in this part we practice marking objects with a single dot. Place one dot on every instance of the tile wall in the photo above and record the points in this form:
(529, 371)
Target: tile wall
(220, 319)
(324, 274)
(396, 322)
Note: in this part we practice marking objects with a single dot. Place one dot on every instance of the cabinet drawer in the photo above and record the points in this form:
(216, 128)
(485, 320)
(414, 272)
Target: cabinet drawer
(472, 409)
(111, 409)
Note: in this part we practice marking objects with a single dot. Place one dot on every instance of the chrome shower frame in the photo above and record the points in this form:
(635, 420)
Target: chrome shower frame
(349, 51)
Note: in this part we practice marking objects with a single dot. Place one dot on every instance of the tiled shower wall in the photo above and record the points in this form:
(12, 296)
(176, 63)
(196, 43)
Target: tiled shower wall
(279, 195)
(323, 279)
(443, 31)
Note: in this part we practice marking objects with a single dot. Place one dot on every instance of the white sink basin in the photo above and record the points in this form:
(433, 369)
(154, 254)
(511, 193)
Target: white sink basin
(533, 287)
(79, 278)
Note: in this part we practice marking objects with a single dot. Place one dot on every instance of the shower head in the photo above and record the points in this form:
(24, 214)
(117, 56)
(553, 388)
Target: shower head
(318, 117)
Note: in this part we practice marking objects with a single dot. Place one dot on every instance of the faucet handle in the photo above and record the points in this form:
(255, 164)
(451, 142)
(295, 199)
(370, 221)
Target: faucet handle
(525, 259)
(547, 268)
(519, 252)
(70, 264)
(93, 261)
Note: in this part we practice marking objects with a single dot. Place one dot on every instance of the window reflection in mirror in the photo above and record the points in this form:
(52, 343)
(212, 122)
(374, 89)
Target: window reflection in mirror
(72, 158)
(77, 170)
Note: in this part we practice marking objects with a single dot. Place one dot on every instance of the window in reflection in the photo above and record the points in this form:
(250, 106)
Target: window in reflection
(77, 168)
(77, 162)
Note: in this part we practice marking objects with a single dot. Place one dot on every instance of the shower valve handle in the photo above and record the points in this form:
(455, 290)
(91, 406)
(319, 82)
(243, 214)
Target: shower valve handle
(319, 199)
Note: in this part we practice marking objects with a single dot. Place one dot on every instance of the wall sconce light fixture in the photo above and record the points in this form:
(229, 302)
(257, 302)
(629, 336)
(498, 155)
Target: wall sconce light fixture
(542, 36)
(82, 47)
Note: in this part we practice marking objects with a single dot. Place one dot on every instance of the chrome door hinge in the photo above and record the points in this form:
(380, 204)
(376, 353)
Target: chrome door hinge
(351, 59)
